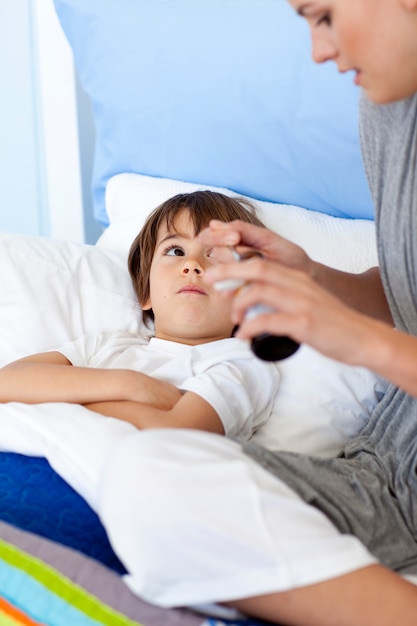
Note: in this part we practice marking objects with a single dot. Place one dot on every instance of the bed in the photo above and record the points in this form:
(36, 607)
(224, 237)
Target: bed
(186, 95)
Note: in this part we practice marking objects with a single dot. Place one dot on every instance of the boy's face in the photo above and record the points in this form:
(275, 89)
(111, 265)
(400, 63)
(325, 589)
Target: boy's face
(185, 308)
(377, 39)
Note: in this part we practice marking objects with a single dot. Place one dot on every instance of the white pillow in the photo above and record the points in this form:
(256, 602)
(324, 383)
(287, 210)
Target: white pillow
(341, 243)
(321, 403)
(53, 291)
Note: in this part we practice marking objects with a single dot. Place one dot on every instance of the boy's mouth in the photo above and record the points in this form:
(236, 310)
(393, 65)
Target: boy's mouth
(192, 289)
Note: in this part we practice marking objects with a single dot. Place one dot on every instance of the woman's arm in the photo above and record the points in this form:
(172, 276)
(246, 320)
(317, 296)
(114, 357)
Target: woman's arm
(191, 411)
(363, 292)
(371, 595)
(344, 316)
(50, 377)
(310, 314)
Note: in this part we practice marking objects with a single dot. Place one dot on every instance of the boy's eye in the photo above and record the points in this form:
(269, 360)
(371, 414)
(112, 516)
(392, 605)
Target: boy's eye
(174, 251)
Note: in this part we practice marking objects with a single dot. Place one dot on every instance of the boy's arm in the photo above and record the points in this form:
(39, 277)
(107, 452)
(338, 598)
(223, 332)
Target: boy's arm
(191, 411)
(50, 377)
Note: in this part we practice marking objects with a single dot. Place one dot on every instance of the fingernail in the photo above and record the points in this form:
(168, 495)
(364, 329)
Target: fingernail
(229, 284)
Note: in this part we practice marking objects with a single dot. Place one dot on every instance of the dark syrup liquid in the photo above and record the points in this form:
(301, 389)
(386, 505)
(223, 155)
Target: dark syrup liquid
(273, 348)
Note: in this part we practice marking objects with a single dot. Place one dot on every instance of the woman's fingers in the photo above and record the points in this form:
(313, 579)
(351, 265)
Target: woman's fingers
(301, 308)
(268, 243)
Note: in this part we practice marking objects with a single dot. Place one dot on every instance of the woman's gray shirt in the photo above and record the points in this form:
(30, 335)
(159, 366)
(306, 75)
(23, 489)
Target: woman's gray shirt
(370, 490)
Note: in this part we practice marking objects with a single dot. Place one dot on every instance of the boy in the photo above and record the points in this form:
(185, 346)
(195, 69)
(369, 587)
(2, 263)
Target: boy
(192, 373)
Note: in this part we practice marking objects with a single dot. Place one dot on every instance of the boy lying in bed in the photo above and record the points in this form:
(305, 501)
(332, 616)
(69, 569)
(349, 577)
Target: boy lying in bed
(192, 373)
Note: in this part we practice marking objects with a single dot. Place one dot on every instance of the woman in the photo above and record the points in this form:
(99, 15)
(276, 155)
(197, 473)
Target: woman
(293, 539)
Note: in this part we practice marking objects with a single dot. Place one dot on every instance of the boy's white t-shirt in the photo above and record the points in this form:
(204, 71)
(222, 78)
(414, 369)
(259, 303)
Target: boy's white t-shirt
(240, 387)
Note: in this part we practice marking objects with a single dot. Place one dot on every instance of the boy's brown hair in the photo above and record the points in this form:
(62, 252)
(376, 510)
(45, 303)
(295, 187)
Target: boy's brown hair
(203, 206)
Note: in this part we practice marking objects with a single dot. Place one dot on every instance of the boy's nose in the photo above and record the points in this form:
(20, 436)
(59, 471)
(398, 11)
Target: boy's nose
(192, 266)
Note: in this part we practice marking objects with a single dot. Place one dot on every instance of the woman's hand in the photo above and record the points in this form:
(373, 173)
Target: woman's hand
(312, 314)
(311, 303)
(363, 292)
(301, 308)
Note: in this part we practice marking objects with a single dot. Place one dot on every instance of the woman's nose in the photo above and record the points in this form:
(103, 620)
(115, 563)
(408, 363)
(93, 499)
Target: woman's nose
(323, 48)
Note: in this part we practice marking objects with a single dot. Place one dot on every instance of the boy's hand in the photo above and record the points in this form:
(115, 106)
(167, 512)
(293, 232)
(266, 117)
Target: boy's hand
(148, 390)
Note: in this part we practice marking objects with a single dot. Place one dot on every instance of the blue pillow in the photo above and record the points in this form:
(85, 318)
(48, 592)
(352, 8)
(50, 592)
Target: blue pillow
(217, 92)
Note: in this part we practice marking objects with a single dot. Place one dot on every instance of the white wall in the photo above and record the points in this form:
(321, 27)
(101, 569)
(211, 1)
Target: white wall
(21, 177)
(45, 187)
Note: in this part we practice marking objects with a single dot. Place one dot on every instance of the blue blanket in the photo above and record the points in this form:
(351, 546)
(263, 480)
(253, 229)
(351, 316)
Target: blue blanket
(34, 497)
